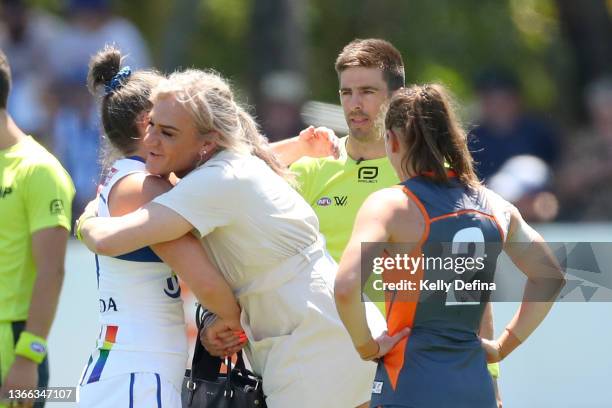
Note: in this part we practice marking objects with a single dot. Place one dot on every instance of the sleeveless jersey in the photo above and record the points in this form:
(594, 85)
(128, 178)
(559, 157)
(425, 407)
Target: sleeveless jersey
(142, 326)
(441, 363)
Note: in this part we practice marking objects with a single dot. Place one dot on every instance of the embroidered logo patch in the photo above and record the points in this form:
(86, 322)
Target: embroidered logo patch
(324, 201)
(37, 347)
(377, 387)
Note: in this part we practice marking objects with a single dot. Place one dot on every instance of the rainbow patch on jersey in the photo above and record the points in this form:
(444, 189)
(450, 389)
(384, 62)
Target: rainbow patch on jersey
(109, 340)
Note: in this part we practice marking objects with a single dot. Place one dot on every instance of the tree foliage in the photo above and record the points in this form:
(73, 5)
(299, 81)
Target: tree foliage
(442, 40)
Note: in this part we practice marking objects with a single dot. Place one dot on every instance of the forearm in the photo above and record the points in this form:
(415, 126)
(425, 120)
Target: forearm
(219, 299)
(486, 325)
(288, 150)
(525, 321)
(212, 291)
(150, 225)
(528, 317)
(352, 312)
(187, 258)
(107, 236)
(545, 279)
(48, 251)
(45, 297)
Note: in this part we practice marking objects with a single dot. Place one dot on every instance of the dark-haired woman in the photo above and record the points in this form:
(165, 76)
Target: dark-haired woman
(141, 351)
(439, 210)
(262, 234)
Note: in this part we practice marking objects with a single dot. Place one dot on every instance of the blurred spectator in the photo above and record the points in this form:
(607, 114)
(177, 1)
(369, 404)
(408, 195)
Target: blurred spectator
(75, 125)
(25, 35)
(586, 169)
(282, 98)
(76, 134)
(504, 129)
(92, 25)
(526, 181)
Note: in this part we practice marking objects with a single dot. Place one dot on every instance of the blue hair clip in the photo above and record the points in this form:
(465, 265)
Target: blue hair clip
(116, 82)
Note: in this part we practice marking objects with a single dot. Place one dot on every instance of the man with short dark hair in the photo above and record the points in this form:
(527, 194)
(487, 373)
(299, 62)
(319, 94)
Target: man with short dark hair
(369, 72)
(35, 202)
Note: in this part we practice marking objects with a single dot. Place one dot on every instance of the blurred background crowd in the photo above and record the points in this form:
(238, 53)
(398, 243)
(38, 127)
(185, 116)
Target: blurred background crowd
(533, 78)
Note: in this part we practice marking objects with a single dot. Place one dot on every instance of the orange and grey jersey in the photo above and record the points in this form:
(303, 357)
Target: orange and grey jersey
(142, 325)
(441, 363)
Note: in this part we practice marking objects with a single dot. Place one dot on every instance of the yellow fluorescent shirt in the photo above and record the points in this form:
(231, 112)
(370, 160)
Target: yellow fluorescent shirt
(35, 193)
(336, 189)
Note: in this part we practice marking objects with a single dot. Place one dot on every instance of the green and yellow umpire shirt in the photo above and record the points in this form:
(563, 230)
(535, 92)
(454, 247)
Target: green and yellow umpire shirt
(336, 189)
(35, 193)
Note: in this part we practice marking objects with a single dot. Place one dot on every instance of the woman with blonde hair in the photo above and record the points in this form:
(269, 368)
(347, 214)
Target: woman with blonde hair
(141, 351)
(259, 232)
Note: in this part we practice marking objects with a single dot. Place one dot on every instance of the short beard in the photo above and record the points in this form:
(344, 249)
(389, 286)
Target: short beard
(373, 135)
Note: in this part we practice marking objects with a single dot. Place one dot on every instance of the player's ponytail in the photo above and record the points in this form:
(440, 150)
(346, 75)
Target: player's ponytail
(432, 134)
(125, 97)
(103, 67)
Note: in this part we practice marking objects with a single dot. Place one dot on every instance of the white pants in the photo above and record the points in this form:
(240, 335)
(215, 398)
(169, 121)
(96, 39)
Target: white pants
(136, 390)
(298, 344)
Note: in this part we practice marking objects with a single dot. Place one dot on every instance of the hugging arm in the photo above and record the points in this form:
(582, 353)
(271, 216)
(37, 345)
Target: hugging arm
(113, 236)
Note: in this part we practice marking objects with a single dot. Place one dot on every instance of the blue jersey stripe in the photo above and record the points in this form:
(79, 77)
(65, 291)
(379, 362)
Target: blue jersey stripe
(145, 254)
(86, 370)
(97, 270)
(159, 404)
(137, 158)
(132, 390)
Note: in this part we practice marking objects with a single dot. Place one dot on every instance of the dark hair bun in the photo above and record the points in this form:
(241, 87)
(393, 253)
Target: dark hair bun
(103, 67)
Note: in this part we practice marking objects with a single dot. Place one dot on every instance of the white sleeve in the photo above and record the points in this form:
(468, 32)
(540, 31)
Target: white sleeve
(206, 198)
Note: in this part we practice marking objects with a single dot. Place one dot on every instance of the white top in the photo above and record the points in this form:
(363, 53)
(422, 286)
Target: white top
(252, 221)
(141, 312)
(265, 239)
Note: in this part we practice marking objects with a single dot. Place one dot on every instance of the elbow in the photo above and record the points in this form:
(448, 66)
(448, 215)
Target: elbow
(561, 282)
(547, 289)
(206, 290)
(344, 291)
(103, 246)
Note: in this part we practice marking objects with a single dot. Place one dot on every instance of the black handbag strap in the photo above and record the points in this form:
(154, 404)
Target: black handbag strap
(201, 358)
(203, 362)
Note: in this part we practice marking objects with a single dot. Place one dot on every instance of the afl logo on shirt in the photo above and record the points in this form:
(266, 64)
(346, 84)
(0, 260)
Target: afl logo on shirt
(324, 202)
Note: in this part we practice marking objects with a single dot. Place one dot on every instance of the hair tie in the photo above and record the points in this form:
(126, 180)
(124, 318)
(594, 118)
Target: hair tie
(116, 82)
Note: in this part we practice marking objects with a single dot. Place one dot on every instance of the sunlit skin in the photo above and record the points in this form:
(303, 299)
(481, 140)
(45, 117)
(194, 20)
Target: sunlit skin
(172, 141)
(362, 93)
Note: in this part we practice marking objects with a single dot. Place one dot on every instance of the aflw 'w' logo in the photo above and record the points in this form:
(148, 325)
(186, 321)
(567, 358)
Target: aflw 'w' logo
(341, 201)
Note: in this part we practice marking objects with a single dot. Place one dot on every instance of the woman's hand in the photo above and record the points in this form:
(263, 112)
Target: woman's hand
(223, 338)
(386, 342)
(492, 350)
(497, 350)
(319, 142)
(90, 211)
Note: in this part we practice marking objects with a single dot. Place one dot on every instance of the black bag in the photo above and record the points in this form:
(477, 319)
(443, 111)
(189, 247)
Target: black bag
(239, 388)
